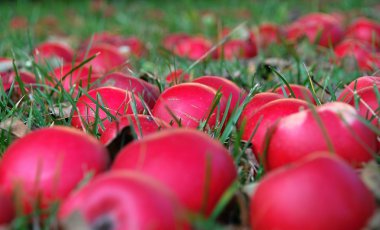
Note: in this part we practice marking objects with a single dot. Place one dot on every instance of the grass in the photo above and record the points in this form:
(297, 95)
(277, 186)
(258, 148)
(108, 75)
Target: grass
(151, 20)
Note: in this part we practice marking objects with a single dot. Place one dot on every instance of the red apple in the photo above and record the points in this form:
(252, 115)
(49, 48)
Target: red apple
(268, 34)
(365, 30)
(190, 103)
(256, 103)
(177, 77)
(82, 76)
(267, 116)
(226, 87)
(147, 124)
(333, 127)
(7, 210)
(357, 85)
(197, 168)
(192, 48)
(125, 200)
(147, 91)
(115, 101)
(172, 40)
(300, 92)
(320, 192)
(44, 166)
(315, 26)
(237, 49)
(53, 50)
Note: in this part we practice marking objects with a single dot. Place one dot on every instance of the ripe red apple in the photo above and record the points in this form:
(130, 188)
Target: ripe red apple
(125, 200)
(333, 127)
(53, 50)
(357, 50)
(197, 168)
(256, 103)
(27, 78)
(237, 49)
(268, 33)
(115, 101)
(172, 40)
(300, 92)
(44, 166)
(226, 87)
(7, 210)
(316, 27)
(147, 124)
(368, 105)
(320, 192)
(82, 76)
(357, 85)
(109, 58)
(192, 48)
(365, 30)
(177, 77)
(147, 91)
(267, 116)
(190, 103)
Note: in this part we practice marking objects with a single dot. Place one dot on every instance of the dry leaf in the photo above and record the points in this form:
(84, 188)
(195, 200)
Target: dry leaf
(62, 110)
(15, 126)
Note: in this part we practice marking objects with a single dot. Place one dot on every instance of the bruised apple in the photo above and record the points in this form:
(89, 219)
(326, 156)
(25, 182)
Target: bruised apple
(125, 200)
(334, 126)
(320, 192)
(197, 168)
(44, 166)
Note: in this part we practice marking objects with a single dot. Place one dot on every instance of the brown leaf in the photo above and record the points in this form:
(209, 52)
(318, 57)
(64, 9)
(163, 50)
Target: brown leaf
(371, 177)
(15, 126)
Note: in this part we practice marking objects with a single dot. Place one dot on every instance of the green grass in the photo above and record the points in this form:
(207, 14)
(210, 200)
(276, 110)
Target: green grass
(150, 21)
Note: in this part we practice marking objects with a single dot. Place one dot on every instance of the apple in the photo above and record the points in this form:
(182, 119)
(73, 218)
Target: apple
(267, 116)
(300, 92)
(44, 166)
(103, 100)
(226, 87)
(365, 30)
(146, 90)
(334, 126)
(357, 85)
(142, 126)
(82, 76)
(197, 168)
(319, 192)
(125, 200)
(53, 51)
(268, 33)
(7, 210)
(257, 101)
(189, 103)
(192, 48)
(237, 49)
(177, 77)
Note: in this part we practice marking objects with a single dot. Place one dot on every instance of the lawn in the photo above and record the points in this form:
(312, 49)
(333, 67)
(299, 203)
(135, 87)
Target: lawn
(23, 109)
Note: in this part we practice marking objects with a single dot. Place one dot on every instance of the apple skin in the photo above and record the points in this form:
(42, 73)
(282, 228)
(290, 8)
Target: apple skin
(268, 115)
(319, 192)
(358, 84)
(197, 168)
(177, 77)
(48, 50)
(36, 166)
(192, 48)
(172, 40)
(268, 34)
(300, 134)
(7, 211)
(79, 76)
(256, 103)
(149, 92)
(190, 102)
(237, 49)
(148, 124)
(125, 200)
(313, 25)
(227, 88)
(116, 101)
(300, 92)
(359, 51)
(109, 58)
(365, 30)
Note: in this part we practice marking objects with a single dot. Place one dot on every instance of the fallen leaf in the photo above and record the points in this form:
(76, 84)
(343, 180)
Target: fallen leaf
(15, 126)
(62, 110)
